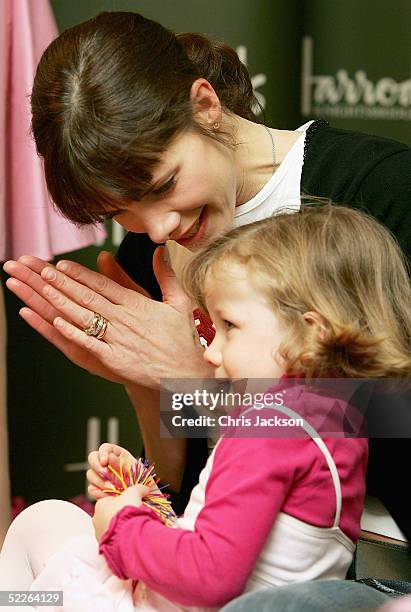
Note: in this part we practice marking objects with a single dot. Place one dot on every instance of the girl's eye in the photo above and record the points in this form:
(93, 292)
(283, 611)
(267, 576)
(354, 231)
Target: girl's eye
(228, 324)
(165, 186)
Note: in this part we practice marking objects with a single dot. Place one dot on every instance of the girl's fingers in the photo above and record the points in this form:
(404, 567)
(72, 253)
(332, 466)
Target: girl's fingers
(104, 452)
(94, 479)
(114, 459)
(123, 461)
(95, 463)
(117, 455)
(96, 493)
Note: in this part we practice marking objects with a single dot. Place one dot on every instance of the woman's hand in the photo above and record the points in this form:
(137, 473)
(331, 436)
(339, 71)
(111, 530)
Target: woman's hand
(107, 454)
(145, 340)
(107, 507)
(27, 284)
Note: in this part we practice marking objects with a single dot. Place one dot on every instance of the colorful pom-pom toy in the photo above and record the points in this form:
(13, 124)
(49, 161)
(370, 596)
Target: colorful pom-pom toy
(141, 473)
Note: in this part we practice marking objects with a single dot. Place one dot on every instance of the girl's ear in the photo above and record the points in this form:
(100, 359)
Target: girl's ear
(205, 104)
(316, 320)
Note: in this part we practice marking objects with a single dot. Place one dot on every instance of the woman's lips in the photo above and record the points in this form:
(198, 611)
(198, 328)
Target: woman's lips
(196, 232)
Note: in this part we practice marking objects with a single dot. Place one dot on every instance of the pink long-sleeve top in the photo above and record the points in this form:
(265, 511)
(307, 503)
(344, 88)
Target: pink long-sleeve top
(251, 481)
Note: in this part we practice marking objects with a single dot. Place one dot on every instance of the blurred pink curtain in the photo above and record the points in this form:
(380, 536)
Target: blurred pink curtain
(29, 224)
(4, 446)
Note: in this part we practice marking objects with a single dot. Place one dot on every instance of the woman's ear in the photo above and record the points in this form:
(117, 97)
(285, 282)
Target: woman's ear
(316, 320)
(205, 104)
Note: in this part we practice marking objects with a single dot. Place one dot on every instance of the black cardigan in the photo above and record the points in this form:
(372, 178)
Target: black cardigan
(361, 171)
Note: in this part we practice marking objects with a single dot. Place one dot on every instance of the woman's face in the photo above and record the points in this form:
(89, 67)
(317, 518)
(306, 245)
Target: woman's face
(193, 196)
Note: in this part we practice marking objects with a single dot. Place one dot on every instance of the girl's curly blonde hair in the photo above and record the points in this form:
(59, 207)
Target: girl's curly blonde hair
(335, 261)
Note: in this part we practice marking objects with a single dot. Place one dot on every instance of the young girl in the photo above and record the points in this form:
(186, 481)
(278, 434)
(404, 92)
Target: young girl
(319, 293)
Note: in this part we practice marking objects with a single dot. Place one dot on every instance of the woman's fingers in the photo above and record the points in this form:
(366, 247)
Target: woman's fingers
(40, 314)
(171, 289)
(97, 348)
(108, 267)
(26, 273)
(86, 302)
(32, 299)
(50, 304)
(145, 340)
(76, 354)
(99, 284)
(28, 286)
(111, 268)
(34, 263)
(46, 329)
(50, 292)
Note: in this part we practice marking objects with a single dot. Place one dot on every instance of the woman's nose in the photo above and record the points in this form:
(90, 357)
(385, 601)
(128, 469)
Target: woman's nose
(212, 354)
(160, 227)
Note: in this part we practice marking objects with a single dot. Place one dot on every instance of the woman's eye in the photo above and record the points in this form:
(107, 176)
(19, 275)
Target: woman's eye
(165, 186)
(110, 215)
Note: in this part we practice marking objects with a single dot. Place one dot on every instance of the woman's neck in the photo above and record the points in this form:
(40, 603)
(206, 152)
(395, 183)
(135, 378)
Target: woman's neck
(253, 155)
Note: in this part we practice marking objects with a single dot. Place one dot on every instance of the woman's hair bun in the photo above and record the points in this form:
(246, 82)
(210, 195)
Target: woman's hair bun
(220, 65)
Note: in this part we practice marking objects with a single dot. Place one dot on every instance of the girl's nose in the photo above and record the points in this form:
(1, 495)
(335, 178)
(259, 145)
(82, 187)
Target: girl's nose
(212, 354)
(160, 228)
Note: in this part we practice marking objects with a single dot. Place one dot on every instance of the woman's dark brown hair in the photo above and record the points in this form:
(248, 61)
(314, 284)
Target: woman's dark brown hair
(110, 95)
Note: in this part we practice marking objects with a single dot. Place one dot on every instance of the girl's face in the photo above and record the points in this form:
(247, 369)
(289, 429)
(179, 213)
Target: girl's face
(248, 332)
(193, 196)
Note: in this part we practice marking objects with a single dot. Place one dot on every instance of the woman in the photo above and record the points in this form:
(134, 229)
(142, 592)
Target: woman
(157, 131)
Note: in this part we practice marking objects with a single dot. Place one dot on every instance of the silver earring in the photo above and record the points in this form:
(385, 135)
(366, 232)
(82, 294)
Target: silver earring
(216, 126)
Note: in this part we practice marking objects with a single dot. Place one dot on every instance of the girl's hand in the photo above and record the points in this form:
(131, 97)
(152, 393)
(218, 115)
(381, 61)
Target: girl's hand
(109, 506)
(145, 340)
(107, 454)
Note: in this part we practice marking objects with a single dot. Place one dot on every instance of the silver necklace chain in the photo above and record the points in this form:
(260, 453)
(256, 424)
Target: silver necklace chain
(272, 142)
